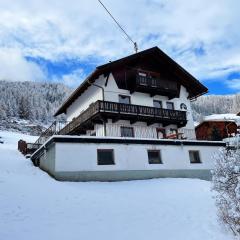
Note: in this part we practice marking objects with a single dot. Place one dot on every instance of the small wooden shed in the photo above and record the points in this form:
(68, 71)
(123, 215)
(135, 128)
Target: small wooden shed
(216, 130)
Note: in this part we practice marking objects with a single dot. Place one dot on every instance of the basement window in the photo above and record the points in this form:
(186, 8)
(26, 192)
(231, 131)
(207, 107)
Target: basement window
(105, 157)
(154, 157)
(194, 157)
(127, 132)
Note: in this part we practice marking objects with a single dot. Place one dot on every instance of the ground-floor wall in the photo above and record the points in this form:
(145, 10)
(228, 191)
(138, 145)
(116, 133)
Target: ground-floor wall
(141, 130)
(47, 158)
(78, 161)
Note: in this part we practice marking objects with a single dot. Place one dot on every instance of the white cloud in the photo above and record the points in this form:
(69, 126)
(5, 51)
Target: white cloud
(14, 67)
(234, 84)
(62, 29)
(72, 79)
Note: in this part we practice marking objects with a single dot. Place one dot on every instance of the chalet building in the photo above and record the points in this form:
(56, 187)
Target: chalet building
(130, 119)
(216, 130)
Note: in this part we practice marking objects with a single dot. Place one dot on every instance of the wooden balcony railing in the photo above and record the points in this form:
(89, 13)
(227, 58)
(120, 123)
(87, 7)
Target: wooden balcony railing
(52, 130)
(124, 111)
(150, 82)
(138, 110)
(112, 110)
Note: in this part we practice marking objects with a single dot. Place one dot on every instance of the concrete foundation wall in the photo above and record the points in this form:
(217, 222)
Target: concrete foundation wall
(131, 175)
(77, 161)
(47, 160)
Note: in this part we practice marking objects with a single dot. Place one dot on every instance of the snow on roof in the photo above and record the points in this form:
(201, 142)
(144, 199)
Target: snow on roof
(223, 117)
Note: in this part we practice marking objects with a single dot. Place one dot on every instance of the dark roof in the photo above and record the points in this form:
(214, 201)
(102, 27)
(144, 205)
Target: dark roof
(194, 87)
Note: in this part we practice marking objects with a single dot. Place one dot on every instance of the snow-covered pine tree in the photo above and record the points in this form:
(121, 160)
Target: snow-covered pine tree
(32, 101)
(226, 184)
(215, 104)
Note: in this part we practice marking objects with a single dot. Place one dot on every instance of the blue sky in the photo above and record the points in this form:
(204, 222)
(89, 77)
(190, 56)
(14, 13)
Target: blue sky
(55, 41)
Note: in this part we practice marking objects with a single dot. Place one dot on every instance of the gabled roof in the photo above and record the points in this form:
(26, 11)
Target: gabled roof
(194, 87)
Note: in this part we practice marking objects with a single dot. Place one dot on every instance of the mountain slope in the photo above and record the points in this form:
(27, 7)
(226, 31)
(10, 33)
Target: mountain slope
(28, 106)
(215, 104)
(31, 100)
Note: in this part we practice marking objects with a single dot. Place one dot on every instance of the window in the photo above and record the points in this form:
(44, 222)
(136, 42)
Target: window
(157, 104)
(161, 133)
(127, 132)
(154, 157)
(142, 78)
(124, 99)
(194, 157)
(105, 157)
(170, 105)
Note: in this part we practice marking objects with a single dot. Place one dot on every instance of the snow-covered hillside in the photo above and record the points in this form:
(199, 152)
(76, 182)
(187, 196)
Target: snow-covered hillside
(33, 101)
(33, 206)
(215, 104)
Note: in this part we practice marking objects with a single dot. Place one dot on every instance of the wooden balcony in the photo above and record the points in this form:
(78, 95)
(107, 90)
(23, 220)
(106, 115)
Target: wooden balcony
(155, 86)
(100, 111)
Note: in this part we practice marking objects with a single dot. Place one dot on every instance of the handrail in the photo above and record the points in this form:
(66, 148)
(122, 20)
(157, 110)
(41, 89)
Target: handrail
(52, 130)
(142, 110)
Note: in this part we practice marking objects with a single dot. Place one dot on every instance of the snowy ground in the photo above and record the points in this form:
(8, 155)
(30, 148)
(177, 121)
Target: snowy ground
(34, 206)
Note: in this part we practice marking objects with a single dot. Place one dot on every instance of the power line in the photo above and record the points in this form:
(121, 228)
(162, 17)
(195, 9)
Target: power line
(118, 24)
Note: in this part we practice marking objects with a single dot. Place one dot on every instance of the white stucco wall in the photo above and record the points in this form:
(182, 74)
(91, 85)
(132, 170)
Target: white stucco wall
(83, 157)
(47, 160)
(91, 95)
(111, 91)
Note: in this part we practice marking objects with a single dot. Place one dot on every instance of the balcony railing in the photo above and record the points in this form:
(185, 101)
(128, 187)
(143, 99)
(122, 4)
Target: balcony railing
(100, 109)
(120, 111)
(52, 130)
(138, 110)
(150, 82)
